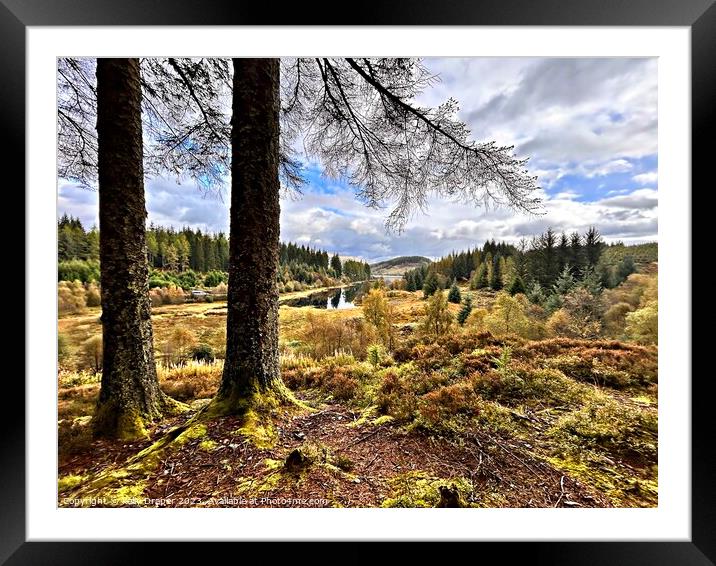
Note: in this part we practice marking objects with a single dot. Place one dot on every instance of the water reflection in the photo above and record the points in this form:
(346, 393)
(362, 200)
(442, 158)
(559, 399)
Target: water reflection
(335, 300)
(339, 301)
(332, 299)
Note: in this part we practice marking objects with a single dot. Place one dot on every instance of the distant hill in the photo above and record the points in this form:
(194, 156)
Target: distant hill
(642, 254)
(398, 265)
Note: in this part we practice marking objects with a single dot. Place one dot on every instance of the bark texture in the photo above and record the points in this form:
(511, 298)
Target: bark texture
(130, 395)
(252, 361)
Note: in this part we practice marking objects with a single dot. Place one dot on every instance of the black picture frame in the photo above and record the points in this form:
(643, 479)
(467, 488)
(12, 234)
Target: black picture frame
(699, 15)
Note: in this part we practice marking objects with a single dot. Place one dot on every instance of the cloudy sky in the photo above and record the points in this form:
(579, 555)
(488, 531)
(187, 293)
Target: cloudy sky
(589, 127)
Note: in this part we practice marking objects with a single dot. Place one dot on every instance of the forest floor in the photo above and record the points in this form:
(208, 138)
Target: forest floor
(569, 424)
(347, 465)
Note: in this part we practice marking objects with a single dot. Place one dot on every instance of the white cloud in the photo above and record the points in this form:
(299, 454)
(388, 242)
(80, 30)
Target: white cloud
(566, 195)
(614, 166)
(567, 115)
(646, 178)
(581, 117)
(642, 199)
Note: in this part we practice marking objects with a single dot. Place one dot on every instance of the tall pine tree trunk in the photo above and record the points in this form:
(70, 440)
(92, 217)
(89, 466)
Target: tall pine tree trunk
(251, 366)
(130, 396)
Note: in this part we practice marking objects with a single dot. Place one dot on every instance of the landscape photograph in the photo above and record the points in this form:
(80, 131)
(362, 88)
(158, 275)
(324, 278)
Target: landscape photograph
(357, 282)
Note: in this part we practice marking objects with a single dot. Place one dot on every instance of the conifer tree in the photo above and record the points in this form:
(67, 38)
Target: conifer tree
(481, 281)
(496, 278)
(431, 285)
(465, 310)
(336, 265)
(591, 281)
(454, 294)
(517, 286)
(593, 246)
(576, 253)
(565, 282)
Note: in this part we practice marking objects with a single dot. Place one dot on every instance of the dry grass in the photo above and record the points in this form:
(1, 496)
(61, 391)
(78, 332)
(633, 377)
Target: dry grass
(588, 407)
(191, 381)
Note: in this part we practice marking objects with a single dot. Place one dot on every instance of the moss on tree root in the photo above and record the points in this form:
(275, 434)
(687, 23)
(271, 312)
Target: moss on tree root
(256, 425)
(131, 424)
(263, 402)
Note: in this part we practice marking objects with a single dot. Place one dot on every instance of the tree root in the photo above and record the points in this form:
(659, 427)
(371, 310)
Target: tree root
(117, 486)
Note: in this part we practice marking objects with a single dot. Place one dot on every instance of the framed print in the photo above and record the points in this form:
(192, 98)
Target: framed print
(305, 279)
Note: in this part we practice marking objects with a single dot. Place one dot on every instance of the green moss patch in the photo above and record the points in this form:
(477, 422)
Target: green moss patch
(419, 489)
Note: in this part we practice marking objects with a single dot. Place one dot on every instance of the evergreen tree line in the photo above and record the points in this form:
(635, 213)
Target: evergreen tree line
(538, 264)
(189, 258)
(293, 253)
(187, 249)
(74, 242)
(356, 270)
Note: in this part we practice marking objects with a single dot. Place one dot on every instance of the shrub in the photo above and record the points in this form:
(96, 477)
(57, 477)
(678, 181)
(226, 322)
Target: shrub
(399, 285)
(91, 350)
(70, 297)
(378, 312)
(476, 320)
(615, 319)
(584, 307)
(564, 323)
(161, 279)
(170, 295)
(81, 270)
(178, 345)
(187, 279)
(155, 297)
(521, 384)
(561, 324)
(323, 335)
(632, 290)
(438, 317)
(587, 367)
(63, 350)
(374, 355)
(202, 353)
(618, 428)
(92, 295)
(395, 397)
(214, 278)
(193, 380)
(642, 325)
(535, 330)
(479, 360)
(438, 406)
(221, 289)
(341, 386)
(576, 367)
(507, 315)
(430, 356)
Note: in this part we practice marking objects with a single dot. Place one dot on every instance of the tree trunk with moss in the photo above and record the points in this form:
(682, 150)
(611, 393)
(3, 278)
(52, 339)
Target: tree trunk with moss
(251, 366)
(130, 396)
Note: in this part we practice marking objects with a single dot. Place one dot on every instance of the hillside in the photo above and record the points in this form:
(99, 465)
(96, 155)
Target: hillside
(398, 265)
(642, 254)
